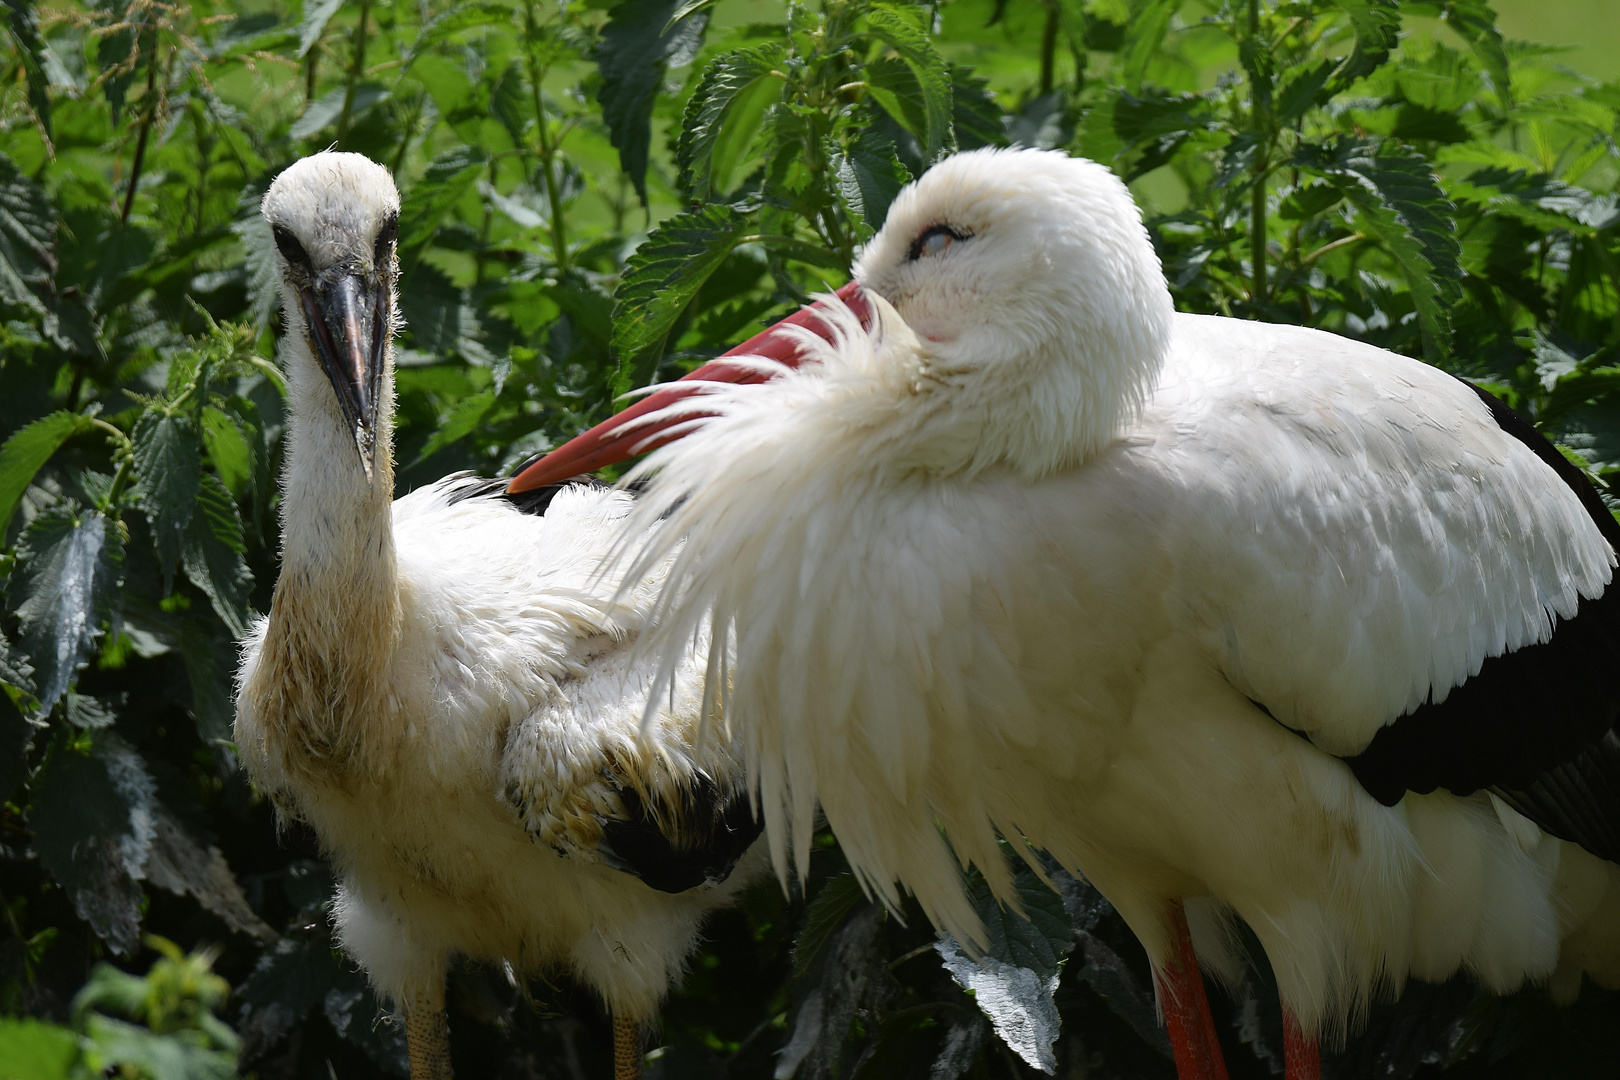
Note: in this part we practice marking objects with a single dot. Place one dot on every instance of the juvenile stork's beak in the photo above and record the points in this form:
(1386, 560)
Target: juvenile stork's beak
(619, 436)
(347, 310)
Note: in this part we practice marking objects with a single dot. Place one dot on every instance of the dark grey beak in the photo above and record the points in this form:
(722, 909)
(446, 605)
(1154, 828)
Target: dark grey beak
(347, 310)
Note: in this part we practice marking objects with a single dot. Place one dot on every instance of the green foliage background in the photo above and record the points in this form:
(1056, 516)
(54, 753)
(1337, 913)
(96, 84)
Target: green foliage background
(597, 195)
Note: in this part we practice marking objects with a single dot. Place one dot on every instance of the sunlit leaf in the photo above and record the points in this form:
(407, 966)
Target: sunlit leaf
(63, 590)
(168, 474)
(27, 239)
(1377, 24)
(27, 451)
(637, 44)
(35, 1050)
(317, 13)
(212, 555)
(931, 73)
(23, 20)
(427, 202)
(869, 176)
(739, 74)
(836, 898)
(663, 276)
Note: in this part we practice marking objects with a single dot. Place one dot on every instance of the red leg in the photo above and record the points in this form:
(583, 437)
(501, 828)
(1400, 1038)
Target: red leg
(1301, 1060)
(1186, 1009)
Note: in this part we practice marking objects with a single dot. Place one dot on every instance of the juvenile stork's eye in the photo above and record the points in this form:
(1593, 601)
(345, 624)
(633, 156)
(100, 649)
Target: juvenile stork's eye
(385, 239)
(934, 240)
(289, 245)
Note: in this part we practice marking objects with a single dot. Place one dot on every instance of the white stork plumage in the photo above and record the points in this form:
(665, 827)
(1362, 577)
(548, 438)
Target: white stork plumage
(1251, 618)
(444, 687)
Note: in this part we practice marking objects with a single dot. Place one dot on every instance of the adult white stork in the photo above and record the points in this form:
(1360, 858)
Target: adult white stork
(1204, 608)
(444, 688)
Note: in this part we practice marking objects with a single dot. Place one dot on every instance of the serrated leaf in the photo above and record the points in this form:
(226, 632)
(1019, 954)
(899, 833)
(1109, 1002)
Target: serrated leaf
(27, 451)
(1399, 203)
(184, 865)
(868, 176)
(15, 670)
(228, 448)
(447, 180)
(636, 47)
(1475, 22)
(352, 1008)
(436, 312)
(290, 979)
(168, 475)
(932, 75)
(317, 13)
(1377, 25)
(212, 555)
(454, 20)
(1149, 22)
(661, 278)
(68, 564)
(1017, 1001)
(975, 116)
(27, 240)
(23, 19)
(726, 91)
(16, 733)
(837, 897)
(92, 822)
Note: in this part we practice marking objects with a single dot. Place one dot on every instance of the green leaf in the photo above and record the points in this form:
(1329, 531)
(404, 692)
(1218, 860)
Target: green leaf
(637, 45)
(16, 734)
(736, 86)
(168, 474)
(317, 13)
(24, 23)
(454, 20)
(35, 1050)
(68, 565)
(468, 413)
(212, 555)
(931, 74)
(447, 180)
(1475, 22)
(134, 1047)
(92, 829)
(27, 240)
(26, 452)
(290, 978)
(15, 670)
(228, 448)
(838, 896)
(1377, 25)
(869, 175)
(1150, 20)
(975, 116)
(661, 278)
(1399, 203)
(436, 312)
(184, 865)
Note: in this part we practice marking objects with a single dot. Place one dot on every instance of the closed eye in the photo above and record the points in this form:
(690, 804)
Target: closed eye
(934, 240)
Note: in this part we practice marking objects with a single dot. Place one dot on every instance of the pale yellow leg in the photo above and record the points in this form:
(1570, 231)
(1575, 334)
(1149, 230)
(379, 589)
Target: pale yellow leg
(626, 1050)
(427, 1035)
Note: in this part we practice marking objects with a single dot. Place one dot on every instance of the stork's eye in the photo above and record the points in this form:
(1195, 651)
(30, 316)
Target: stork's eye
(934, 240)
(386, 237)
(289, 245)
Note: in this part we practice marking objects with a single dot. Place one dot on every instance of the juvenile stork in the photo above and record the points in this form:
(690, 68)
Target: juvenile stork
(1303, 632)
(444, 687)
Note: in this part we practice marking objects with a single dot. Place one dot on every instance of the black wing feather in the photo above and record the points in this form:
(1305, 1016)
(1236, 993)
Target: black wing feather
(1536, 726)
(534, 502)
(713, 829)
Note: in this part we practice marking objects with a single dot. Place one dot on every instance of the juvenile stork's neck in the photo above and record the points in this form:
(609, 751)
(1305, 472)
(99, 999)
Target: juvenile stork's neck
(335, 617)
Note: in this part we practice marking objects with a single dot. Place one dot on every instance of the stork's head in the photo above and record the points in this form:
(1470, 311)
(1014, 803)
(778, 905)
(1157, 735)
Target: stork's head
(335, 219)
(1030, 281)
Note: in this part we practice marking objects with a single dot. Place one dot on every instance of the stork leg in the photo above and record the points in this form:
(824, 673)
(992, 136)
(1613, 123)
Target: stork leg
(427, 1034)
(626, 1049)
(1301, 1059)
(1187, 1020)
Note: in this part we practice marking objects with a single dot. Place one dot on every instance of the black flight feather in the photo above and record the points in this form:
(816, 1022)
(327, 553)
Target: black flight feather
(713, 830)
(534, 502)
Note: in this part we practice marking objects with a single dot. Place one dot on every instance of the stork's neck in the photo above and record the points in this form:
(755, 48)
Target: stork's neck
(337, 543)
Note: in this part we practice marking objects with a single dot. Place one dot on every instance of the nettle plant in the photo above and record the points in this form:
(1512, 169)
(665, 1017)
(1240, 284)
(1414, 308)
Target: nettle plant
(596, 195)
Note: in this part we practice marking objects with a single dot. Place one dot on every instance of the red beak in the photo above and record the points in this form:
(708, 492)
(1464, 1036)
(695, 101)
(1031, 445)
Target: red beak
(609, 442)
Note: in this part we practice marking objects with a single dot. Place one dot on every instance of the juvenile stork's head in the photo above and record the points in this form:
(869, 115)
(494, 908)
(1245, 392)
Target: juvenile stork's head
(1033, 290)
(335, 219)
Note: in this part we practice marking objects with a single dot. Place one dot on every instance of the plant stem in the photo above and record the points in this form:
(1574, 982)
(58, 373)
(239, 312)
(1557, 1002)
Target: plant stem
(559, 242)
(149, 113)
(357, 67)
(1260, 99)
(1049, 38)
